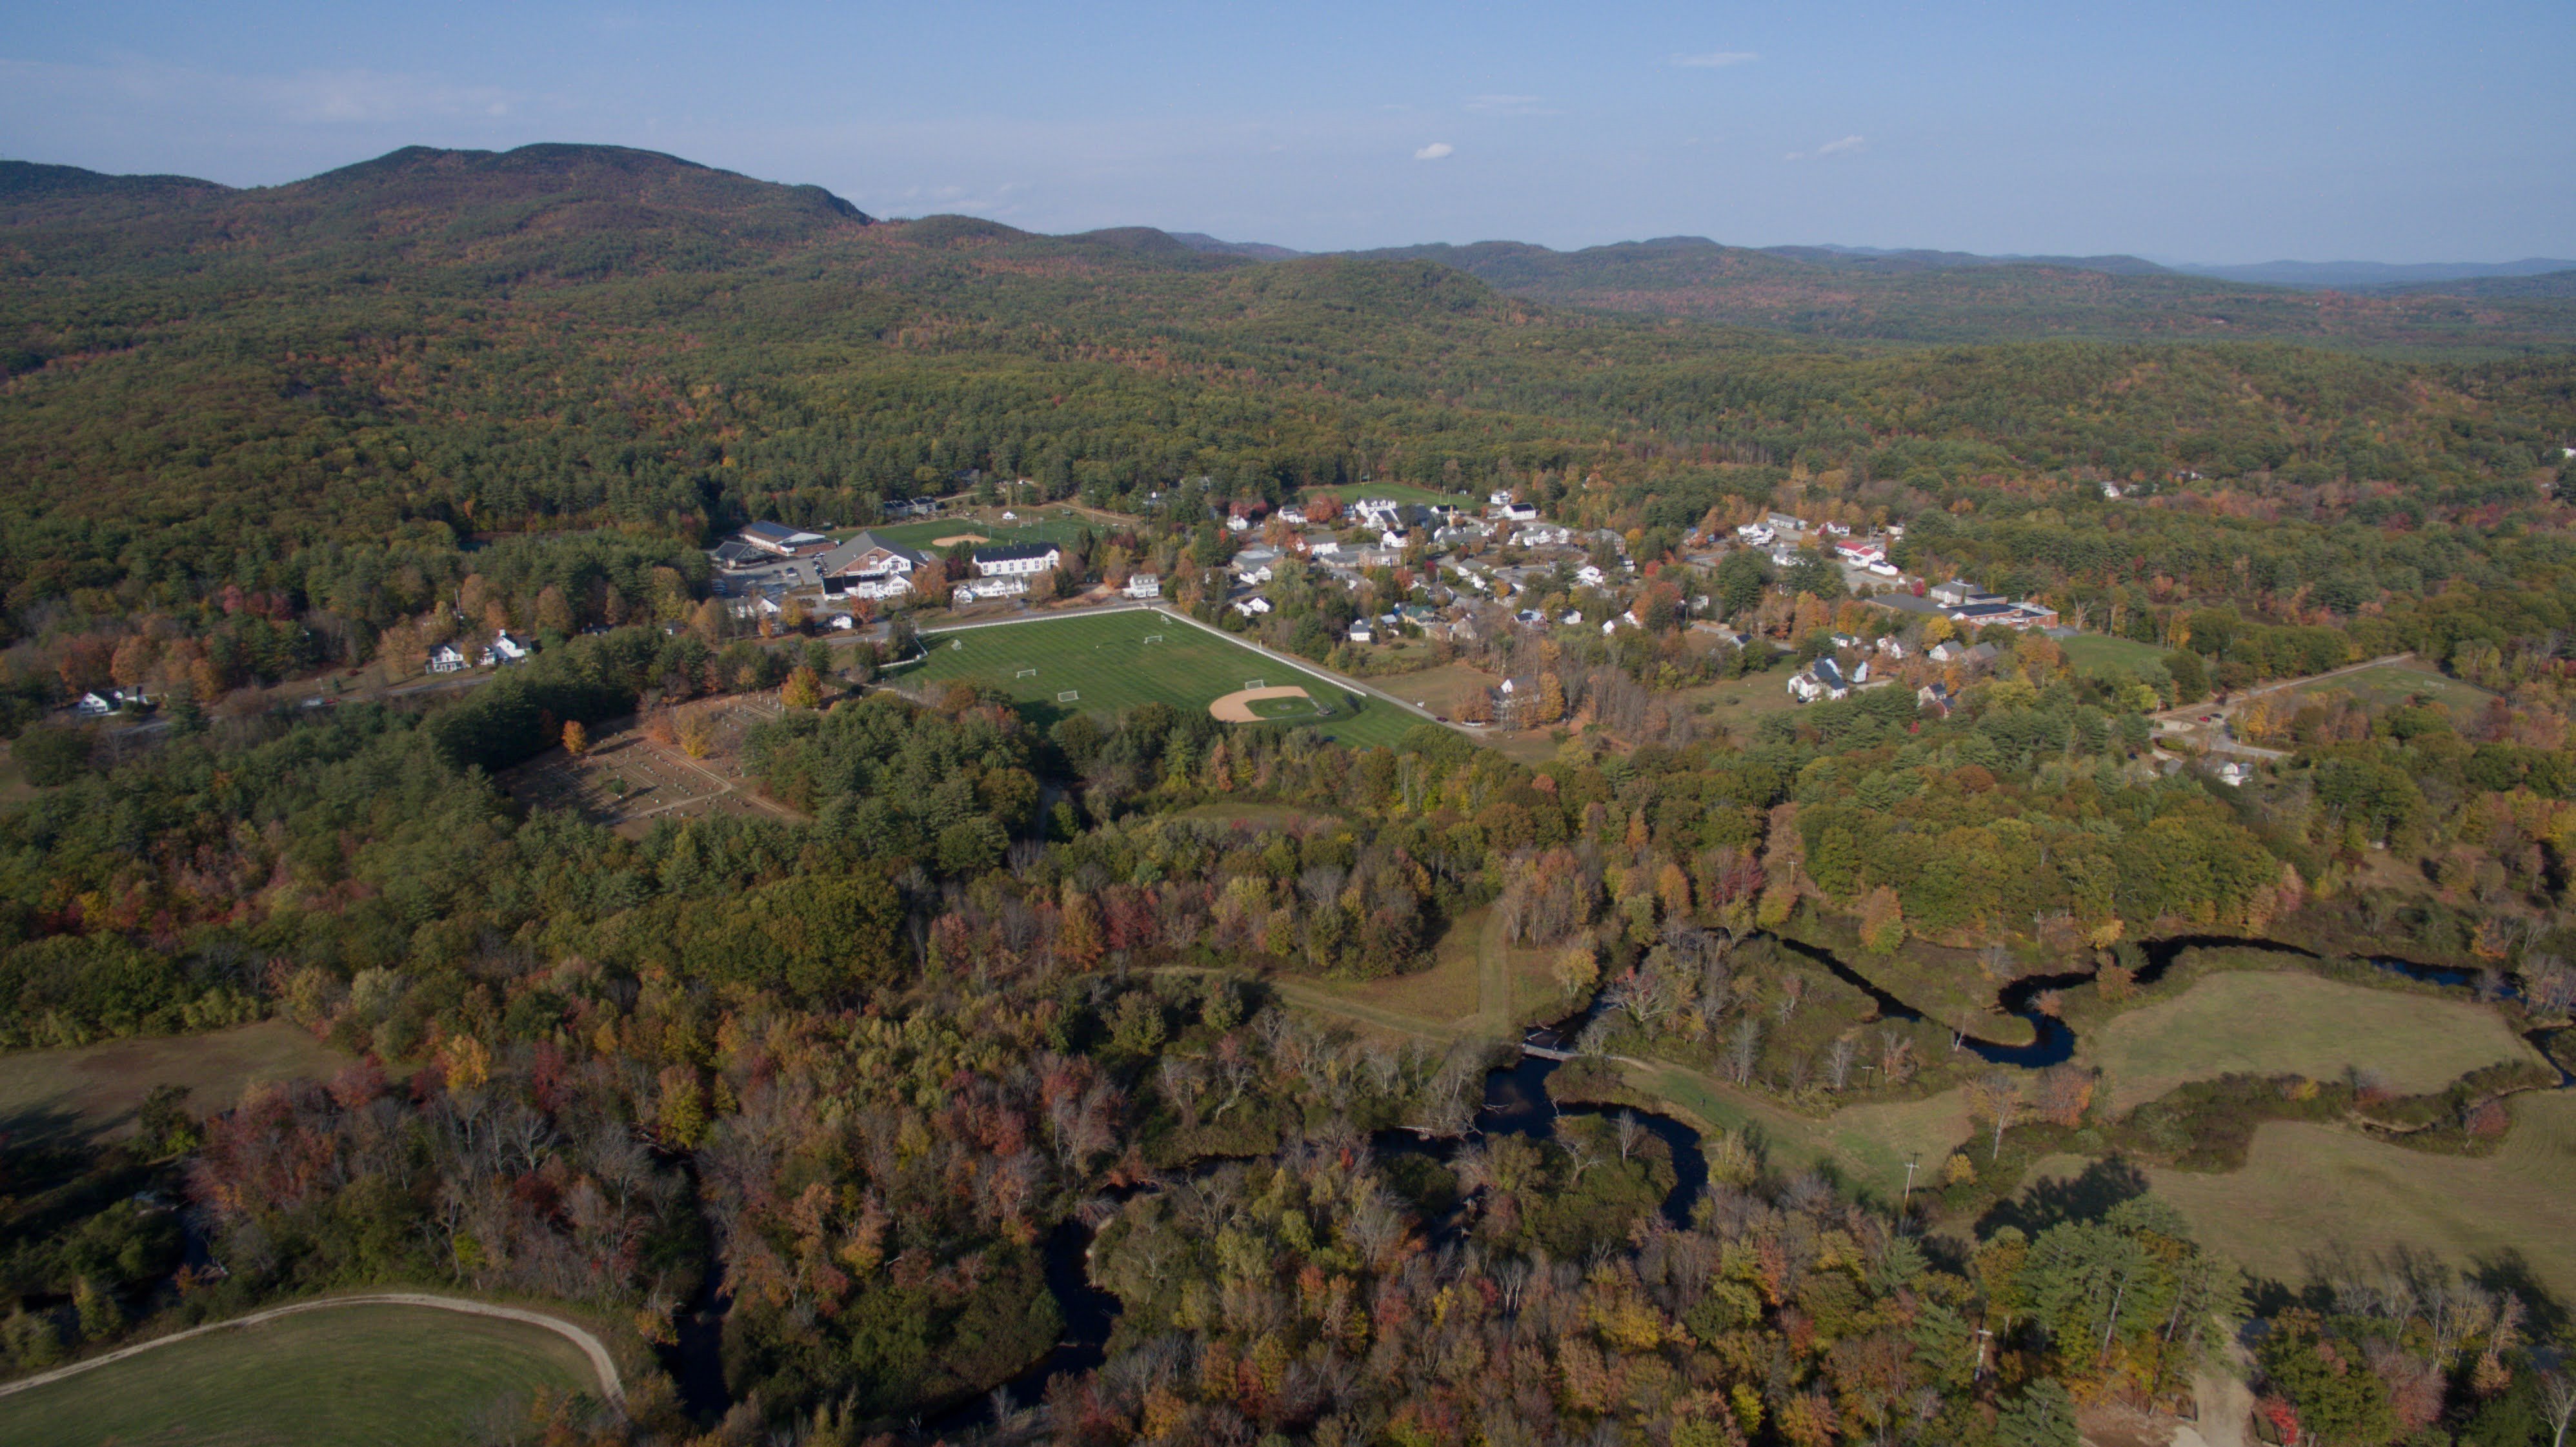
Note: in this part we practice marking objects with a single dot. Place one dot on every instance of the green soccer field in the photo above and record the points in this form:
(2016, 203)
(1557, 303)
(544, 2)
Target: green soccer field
(1101, 663)
(1050, 528)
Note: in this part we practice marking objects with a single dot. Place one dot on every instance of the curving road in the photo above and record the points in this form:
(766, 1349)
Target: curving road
(610, 1385)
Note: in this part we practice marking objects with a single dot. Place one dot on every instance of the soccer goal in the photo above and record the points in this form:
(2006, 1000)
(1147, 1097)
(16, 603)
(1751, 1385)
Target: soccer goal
(1026, 673)
(1070, 695)
(1254, 683)
(1153, 638)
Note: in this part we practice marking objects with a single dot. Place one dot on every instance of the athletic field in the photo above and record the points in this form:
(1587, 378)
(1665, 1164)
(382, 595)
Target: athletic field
(1104, 663)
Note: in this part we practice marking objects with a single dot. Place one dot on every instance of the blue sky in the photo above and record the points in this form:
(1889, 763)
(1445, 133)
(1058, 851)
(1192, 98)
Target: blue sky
(2200, 132)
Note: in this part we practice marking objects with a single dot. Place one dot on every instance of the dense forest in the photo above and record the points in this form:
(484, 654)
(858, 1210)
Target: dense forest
(840, 1114)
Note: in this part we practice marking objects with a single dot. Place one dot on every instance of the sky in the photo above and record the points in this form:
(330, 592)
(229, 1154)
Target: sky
(2214, 133)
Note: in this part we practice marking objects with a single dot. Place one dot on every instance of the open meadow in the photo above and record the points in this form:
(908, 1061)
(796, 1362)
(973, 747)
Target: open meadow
(1866, 1147)
(2287, 1022)
(1104, 663)
(390, 1375)
(96, 1088)
(2097, 653)
(2307, 1188)
(941, 533)
(2389, 684)
(630, 777)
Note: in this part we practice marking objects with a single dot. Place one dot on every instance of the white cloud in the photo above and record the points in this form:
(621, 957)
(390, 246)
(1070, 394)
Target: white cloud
(1715, 59)
(1829, 148)
(1435, 151)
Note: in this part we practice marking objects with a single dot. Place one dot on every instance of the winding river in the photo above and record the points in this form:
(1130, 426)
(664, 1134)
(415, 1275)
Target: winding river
(1516, 1102)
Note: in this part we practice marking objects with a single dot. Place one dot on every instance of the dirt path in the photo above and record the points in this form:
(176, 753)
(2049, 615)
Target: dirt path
(601, 1364)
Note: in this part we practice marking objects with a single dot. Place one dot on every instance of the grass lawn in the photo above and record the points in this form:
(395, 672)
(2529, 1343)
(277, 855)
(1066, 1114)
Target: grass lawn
(1864, 1146)
(1103, 661)
(2394, 683)
(97, 1087)
(2096, 653)
(361, 1374)
(2305, 1187)
(1746, 698)
(2283, 1022)
(1441, 689)
(1029, 528)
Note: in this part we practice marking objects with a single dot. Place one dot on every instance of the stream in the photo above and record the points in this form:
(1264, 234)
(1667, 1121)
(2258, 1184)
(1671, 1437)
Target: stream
(1516, 1102)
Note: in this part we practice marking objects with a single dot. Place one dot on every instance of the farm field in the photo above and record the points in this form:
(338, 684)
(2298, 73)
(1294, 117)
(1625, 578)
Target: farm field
(97, 1087)
(629, 779)
(2306, 1187)
(2289, 1022)
(1101, 663)
(2094, 653)
(392, 1375)
(2394, 683)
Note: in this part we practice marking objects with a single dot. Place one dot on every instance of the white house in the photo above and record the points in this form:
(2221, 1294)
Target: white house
(446, 659)
(1143, 585)
(2234, 774)
(1362, 632)
(1891, 648)
(1010, 587)
(506, 649)
(91, 705)
(1252, 607)
(1498, 499)
(1590, 576)
(1017, 560)
(1821, 680)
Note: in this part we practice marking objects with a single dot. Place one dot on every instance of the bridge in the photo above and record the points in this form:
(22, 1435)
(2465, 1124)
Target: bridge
(1544, 1053)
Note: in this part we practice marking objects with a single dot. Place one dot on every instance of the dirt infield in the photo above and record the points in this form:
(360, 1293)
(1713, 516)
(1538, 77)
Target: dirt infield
(953, 539)
(1236, 707)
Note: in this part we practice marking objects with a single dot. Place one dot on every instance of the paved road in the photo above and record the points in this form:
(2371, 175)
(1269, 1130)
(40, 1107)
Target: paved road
(605, 1367)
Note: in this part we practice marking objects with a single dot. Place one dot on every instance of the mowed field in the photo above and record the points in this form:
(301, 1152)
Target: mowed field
(98, 1087)
(2394, 683)
(1044, 528)
(2307, 1187)
(2292, 1023)
(2093, 653)
(1100, 663)
(391, 1375)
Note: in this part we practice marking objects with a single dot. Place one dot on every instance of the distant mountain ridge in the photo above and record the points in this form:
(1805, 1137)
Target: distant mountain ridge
(567, 212)
(2374, 275)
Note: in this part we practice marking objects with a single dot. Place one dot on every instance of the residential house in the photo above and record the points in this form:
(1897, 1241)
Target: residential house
(446, 658)
(1293, 515)
(1517, 512)
(1017, 560)
(1892, 648)
(1590, 576)
(2232, 773)
(1498, 499)
(1363, 632)
(1886, 570)
(870, 566)
(1780, 522)
(2111, 491)
(1573, 617)
(1143, 585)
(1010, 586)
(1837, 530)
(1934, 696)
(1822, 679)
(1252, 607)
(506, 649)
(1543, 536)
(91, 705)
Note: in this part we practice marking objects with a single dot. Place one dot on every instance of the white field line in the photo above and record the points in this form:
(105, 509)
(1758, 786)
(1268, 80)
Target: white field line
(604, 1366)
